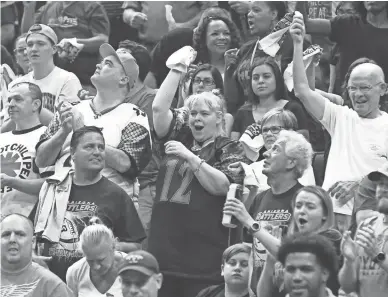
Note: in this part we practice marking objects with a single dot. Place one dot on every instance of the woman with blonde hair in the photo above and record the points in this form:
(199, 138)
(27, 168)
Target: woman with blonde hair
(191, 186)
(205, 78)
(97, 273)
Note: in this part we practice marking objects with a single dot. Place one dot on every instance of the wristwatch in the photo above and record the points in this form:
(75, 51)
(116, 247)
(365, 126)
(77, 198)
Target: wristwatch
(379, 258)
(255, 227)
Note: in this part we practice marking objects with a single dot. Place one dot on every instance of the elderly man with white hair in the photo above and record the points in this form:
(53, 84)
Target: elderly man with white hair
(285, 162)
(359, 136)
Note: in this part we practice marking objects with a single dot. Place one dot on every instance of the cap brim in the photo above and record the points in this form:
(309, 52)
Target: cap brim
(140, 269)
(107, 50)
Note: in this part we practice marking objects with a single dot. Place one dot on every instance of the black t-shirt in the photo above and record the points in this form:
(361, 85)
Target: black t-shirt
(168, 45)
(186, 235)
(244, 117)
(214, 291)
(356, 39)
(103, 199)
(274, 213)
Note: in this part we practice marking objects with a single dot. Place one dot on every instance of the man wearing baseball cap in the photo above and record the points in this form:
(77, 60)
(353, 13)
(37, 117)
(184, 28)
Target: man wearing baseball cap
(55, 83)
(83, 22)
(365, 269)
(140, 275)
(125, 126)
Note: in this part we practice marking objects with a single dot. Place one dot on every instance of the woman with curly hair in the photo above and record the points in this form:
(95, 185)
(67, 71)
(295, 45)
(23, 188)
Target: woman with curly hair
(213, 37)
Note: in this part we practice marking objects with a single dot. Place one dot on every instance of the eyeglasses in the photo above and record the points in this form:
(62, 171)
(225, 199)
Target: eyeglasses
(273, 129)
(205, 81)
(363, 89)
(20, 50)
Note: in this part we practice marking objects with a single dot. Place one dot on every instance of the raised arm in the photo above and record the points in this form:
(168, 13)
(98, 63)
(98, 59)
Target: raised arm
(179, 63)
(162, 115)
(313, 102)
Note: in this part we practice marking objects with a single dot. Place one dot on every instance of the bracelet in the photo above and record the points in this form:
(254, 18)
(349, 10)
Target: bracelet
(199, 166)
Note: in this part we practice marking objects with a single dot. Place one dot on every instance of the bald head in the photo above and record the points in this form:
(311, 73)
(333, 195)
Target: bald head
(365, 88)
(368, 70)
(20, 221)
(17, 242)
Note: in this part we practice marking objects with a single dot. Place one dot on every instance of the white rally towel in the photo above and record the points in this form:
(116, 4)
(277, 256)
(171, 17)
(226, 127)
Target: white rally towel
(252, 141)
(308, 56)
(181, 59)
(271, 43)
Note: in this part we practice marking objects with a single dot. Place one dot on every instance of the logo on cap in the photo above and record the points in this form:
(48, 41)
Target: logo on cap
(134, 259)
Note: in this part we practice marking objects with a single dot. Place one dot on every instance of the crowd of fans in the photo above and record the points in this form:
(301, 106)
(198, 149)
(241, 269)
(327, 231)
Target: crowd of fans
(209, 149)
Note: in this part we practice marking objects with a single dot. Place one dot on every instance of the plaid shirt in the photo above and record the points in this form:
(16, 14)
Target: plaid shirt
(135, 142)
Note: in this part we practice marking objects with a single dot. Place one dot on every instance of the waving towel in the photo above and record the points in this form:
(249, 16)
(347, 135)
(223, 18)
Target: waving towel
(252, 141)
(308, 56)
(271, 43)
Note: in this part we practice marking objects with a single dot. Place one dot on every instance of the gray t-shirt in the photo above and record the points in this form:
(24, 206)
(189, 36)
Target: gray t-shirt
(33, 281)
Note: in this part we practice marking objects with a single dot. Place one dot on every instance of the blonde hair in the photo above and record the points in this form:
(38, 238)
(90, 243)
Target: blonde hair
(297, 148)
(95, 234)
(214, 101)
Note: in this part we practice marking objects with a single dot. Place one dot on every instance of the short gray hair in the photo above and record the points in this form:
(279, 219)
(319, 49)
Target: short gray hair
(286, 117)
(298, 148)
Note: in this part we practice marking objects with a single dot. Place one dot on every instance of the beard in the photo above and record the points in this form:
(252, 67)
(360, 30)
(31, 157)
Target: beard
(382, 206)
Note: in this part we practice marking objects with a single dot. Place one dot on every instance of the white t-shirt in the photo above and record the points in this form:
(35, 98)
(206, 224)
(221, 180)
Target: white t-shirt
(58, 83)
(78, 280)
(17, 150)
(358, 147)
(307, 179)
